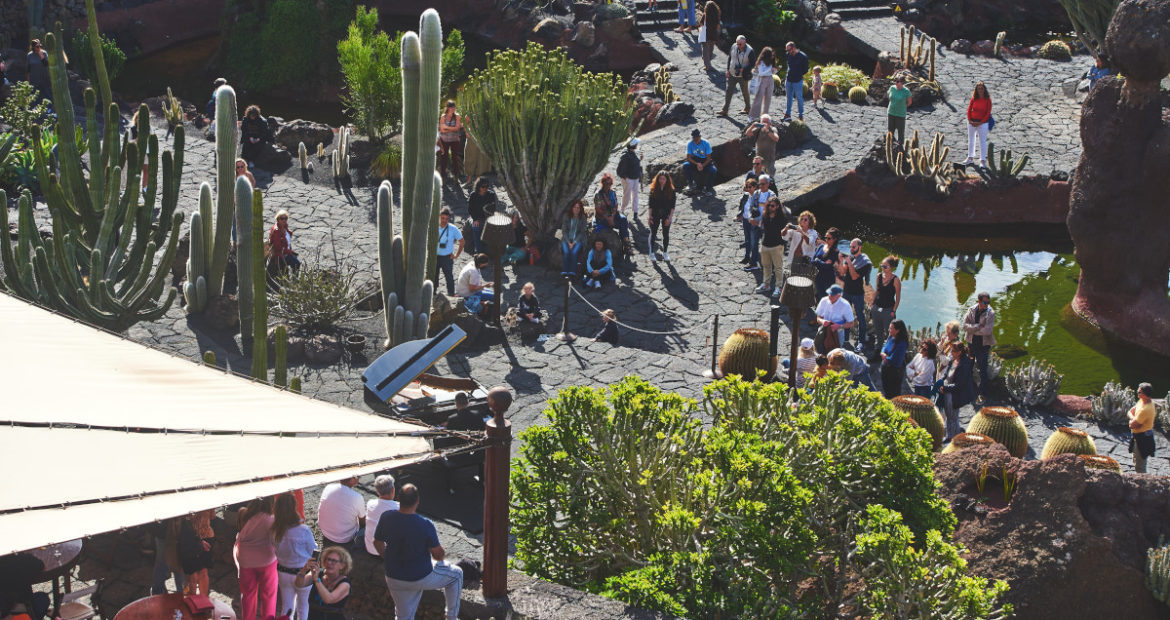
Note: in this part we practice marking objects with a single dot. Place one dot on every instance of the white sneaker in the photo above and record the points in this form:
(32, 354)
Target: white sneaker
(763, 287)
(666, 257)
(968, 161)
(776, 292)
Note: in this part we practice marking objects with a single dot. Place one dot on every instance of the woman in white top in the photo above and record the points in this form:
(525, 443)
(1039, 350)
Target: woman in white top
(920, 373)
(294, 548)
(765, 67)
(801, 239)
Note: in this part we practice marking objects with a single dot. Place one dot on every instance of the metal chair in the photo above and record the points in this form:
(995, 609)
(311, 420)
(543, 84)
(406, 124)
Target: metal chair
(72, 607)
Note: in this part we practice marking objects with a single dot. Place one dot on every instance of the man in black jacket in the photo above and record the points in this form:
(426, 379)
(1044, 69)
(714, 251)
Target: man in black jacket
(794, 80)
(740, 61)
(481, 204)
(629, 168)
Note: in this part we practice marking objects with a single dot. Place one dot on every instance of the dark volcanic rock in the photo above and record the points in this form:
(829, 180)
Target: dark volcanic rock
(223, 312)
(323, 349)
(676, 112)
(292, 133)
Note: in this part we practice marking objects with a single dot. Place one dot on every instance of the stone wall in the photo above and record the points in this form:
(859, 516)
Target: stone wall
(14, 19)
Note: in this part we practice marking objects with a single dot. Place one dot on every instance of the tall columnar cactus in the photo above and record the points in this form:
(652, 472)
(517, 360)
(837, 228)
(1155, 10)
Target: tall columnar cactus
(1032, 384)
(745, 353)
(213, 241)
(1006, 166)
(1158, 572)
(966, 440)
(102, 264)
(209, 358)
(998, 48)
(259, 290)
(1068, 441)
(341, 154)
(547, 147)
(405, 261)
(244, 255)
(1004, 425)
(280, 356)
(924, 414)
(303, 156)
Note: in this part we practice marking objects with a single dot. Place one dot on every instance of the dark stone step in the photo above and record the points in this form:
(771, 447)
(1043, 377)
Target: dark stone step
(837, 5)
(663, 5)
(863, 13)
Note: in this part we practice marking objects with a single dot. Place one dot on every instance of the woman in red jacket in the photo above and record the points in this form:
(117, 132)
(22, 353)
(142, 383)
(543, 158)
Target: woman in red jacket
(280, 238)
(978, 115)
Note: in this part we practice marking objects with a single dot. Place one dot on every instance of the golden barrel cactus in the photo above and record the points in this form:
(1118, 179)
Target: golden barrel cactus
(966, 440)
(1094, 461)
(1068, 441)
(1004, 425)
(745, 353)
(924, 414)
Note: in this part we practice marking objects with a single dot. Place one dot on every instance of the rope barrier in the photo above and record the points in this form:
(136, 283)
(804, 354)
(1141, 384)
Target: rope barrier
(677, 332)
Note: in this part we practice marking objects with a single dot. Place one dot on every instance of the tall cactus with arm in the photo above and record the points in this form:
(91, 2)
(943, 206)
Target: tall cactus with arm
(405, 260)
(102, 264)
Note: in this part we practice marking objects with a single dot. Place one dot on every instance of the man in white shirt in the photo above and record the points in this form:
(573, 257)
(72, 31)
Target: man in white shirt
(384, 486)
(471, 286)
(341, 513)
(834, 314)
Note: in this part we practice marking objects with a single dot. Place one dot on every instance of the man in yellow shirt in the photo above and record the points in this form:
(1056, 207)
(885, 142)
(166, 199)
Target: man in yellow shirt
(1141, 425)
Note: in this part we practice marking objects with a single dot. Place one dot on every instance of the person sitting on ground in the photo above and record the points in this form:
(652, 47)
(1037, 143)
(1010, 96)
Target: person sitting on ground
(253, 133)
(605, 211)
(295, 546)
(341, 514)
(574, 236)
(598, 265)
(280, 239)
(520, 245)
(806, 361)
(528, 306)
(1099, 70)
(835, 317)
(822, 370)
(471, 286)
(414, 559)
(375, 508)
(766, 138)
(699, 163)
(856, 365)
(330, 581)
(1141, 427)
(921, 370)
(609, 331)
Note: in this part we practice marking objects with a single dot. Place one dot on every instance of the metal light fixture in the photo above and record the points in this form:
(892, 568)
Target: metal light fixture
(497, 234)
(797, 295)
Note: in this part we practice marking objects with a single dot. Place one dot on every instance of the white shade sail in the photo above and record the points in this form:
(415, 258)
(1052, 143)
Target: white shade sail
(101, 433)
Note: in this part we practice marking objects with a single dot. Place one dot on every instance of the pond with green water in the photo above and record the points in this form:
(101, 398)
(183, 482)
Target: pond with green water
(1031, 281)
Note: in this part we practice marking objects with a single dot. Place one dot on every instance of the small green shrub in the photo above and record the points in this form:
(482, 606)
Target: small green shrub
(315, 298)
(772, 24)
(829, 91)
(841, 75)
(387, 164)
(24, 111)
(1055, 50)
(858, 94)
(115, 58)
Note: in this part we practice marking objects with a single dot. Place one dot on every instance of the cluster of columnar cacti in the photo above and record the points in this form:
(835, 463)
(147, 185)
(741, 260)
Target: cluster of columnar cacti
(1112, 405)
(662, 86)
(103, 263)
(1067, 440)
(1097, 461)
(966, 440)
(1032, 384)
(172, 109)
(924, 414)
(1158, 572)
(341, 154)
(920, 56)
(211, 234)
(1006, 166)
(913, 159)
(405, 261)
(1003, 424)
(745, 353)
(998, 48)
(547, 126)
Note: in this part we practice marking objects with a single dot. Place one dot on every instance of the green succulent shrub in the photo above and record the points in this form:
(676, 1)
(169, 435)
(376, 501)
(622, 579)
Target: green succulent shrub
(315, 298)
(614, 10)
(1034, 383)
(24, 111)
(387, 164)
(927, 580)
(1112, 405)
(1055, 50)
(114, 56)
(842, 76)
(858, 94)
(772, 24)
(625, 492)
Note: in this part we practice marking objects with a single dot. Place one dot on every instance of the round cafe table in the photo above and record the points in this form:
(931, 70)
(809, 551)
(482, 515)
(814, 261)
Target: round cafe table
(58, 560)
(163, 607)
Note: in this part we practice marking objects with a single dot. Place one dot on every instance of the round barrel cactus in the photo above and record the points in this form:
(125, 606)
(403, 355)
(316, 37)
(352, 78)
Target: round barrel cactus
(858, 94)
(966, 440)
(745, 353)
(1068, 441)
(1096, 461)
(1004, 425)
(924, 414)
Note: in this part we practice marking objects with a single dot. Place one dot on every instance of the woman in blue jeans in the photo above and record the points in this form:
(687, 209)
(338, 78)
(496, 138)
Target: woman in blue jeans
(573, 236)
(686, 15)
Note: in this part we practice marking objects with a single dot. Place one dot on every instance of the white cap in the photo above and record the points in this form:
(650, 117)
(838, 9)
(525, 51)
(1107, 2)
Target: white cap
(807, 343)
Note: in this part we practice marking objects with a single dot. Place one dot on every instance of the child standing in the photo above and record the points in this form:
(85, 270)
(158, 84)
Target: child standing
(816, 85)
(922, 369)
(528, 307)
(608, 333)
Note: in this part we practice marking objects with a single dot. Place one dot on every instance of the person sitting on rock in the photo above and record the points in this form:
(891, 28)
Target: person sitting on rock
(609, 331)
(528, 306)
(598, 265)
(699, 162)
(605, 211)
(253, 134)
(471, 286)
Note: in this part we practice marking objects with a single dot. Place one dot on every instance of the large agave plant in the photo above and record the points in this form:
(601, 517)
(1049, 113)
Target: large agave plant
(1032, 384)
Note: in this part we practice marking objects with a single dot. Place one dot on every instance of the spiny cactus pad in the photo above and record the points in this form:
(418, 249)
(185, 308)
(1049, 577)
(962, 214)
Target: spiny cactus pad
(1095, 461)
(1068, 441)
(745, 353)
(924, 414)
(966, 440)
(1004, 425)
